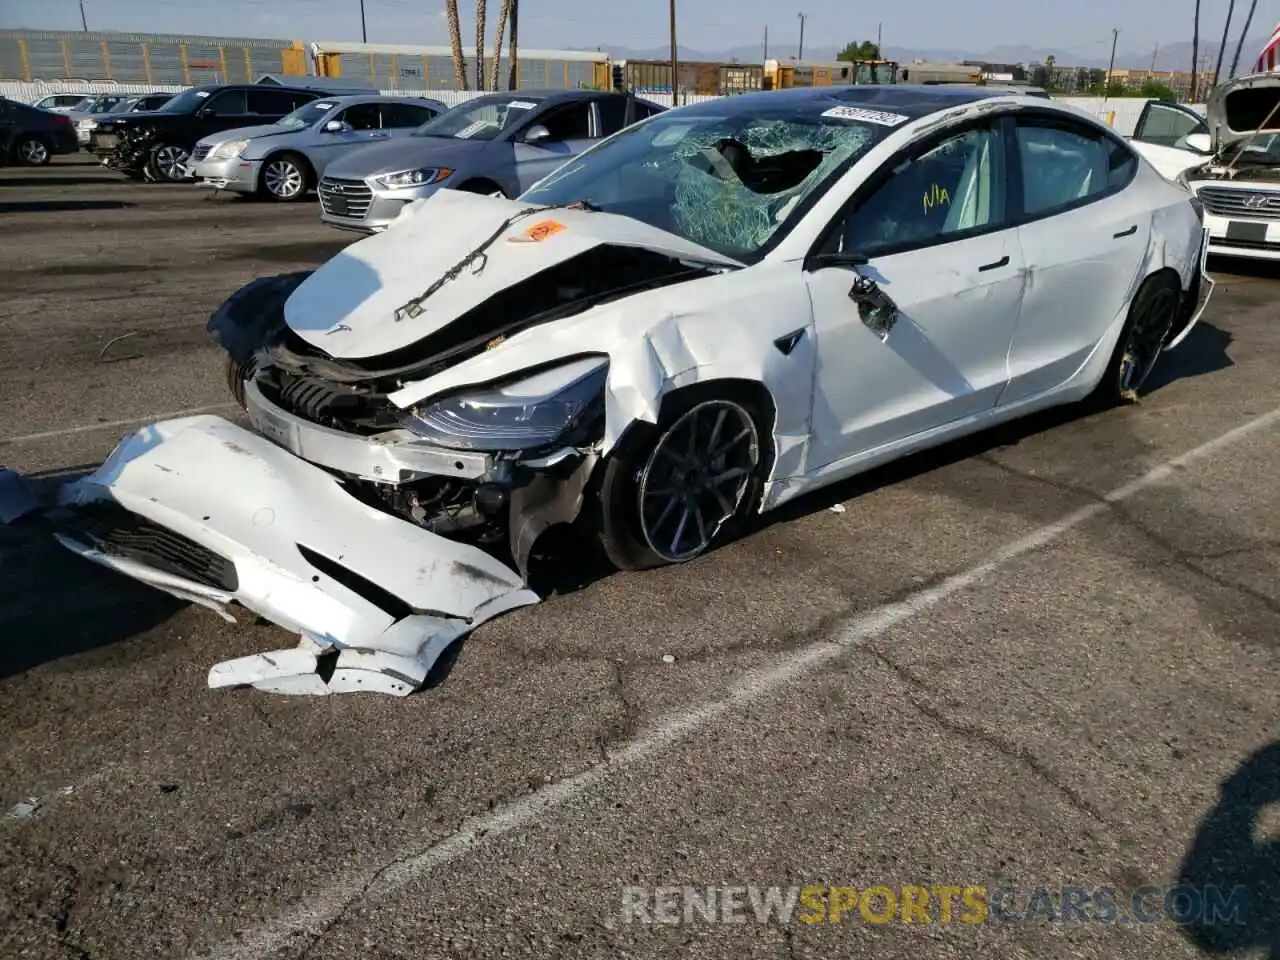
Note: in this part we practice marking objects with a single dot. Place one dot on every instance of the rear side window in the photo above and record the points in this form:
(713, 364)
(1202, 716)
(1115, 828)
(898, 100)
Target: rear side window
(270, 103)
(1066, 165)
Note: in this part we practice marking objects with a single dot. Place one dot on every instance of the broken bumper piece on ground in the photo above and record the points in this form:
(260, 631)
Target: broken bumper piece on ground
(212, 513)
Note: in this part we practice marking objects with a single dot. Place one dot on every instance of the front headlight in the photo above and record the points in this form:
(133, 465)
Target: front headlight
(414, 178)
(228, 150)
(560, 404)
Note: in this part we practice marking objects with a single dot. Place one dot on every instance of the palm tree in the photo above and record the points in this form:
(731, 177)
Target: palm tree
(503, 12)
(480, 12)
(1222, 47)
(455, 39)
(1248, 22)
(1195, 54)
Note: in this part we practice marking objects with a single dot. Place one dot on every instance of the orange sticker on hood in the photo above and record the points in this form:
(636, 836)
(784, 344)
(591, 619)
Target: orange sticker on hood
(539, 232)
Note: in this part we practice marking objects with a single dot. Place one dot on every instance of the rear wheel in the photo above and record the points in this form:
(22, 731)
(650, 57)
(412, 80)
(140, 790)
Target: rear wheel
(285, 178)
(32, 151)
(1151, 319)
(670, 494)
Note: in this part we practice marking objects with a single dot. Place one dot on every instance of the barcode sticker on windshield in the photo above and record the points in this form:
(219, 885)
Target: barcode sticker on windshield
(867, 116)
(325, 106)
(521, 105)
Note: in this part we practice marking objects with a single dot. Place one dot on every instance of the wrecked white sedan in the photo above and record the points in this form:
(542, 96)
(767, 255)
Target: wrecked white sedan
(701, 318)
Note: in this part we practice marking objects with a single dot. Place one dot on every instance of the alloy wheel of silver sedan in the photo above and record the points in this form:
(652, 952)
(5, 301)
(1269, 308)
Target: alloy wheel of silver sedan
(170, 162)
(283, 179)
(33, 151)
(696, 478)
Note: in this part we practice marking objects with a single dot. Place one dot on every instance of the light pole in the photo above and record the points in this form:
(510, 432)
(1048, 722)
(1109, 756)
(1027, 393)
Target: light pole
(675, 60)
(800, 52)
(1115, 35)
(364, 34)
(84, 24)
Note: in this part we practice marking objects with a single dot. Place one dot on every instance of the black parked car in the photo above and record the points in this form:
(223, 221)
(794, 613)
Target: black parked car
(31, 136)
(155, 145)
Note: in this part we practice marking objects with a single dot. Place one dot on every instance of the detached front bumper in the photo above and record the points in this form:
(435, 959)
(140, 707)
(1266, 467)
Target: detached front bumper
(236, 175)
(218, 515)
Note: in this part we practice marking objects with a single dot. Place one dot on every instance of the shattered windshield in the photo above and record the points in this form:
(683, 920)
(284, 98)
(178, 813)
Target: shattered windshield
(723, 179)
(482, 119)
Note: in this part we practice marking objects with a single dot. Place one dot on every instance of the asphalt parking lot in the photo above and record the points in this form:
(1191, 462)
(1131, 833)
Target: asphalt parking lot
(1043, 658)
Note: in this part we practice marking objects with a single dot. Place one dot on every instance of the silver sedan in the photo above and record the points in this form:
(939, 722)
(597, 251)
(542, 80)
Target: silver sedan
(284, 160)
(501, 143)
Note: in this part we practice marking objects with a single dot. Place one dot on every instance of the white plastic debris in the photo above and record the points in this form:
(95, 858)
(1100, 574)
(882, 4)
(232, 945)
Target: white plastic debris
(668, 658)
(24, 810)
(837, 508)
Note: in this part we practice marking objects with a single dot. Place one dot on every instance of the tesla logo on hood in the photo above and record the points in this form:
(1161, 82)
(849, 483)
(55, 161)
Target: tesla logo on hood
(538, 232)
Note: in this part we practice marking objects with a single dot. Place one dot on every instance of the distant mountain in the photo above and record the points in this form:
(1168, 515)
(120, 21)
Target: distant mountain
(1174, 56)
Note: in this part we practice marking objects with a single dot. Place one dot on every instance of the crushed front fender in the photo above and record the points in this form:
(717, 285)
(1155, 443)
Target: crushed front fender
(215, 514)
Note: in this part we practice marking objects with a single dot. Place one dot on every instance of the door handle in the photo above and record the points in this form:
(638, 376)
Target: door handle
(1125, 233)
(1002, 262)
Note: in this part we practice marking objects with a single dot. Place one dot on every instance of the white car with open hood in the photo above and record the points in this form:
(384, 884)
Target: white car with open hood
(701, 318)
(1230, 159)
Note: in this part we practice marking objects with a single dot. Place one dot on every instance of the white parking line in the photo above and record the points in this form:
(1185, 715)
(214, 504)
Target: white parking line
(107, 425)
(328, 904)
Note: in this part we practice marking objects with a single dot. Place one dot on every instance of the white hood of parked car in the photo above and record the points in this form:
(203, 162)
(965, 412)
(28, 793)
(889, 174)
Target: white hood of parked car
(353, 306)
(1239, 108)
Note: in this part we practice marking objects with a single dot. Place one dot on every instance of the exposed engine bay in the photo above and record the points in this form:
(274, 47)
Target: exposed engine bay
(271, 365)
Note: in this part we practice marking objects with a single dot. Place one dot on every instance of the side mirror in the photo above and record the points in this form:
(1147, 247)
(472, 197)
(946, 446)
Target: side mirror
(1199, 142)
(536, 134)
(336, 126)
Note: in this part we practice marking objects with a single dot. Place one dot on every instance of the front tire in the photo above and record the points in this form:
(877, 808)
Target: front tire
(285, 178)
(167, 163)
(1151, 319)
(670, 494)
(32, 151)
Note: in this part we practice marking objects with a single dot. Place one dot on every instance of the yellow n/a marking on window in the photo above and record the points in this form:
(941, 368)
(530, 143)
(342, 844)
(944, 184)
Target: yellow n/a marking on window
(935, 196)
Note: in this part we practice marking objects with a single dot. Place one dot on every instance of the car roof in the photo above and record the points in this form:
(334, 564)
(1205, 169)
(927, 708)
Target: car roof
(911, 100)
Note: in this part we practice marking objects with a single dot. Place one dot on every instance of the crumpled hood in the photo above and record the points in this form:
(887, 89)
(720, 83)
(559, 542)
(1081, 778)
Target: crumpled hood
(249, 133)
(348, 307)
(1239, 107)
(408, 153)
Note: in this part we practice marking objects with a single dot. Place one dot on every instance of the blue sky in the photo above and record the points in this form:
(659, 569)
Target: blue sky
(1073, 26)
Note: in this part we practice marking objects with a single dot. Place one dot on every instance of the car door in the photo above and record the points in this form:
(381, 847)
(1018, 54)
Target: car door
(572, 127)
(931, 233)
(1168, 124)
(1084, 234)
(361, 125)
(224, 110)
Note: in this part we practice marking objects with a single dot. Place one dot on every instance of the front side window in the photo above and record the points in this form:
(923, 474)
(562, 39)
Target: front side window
(727, 179)
(363, 116)
(570, 122)
(269, 103)
(1065, 165)
(484, 118)
(950, 191)
(229, 103)
(396, 116)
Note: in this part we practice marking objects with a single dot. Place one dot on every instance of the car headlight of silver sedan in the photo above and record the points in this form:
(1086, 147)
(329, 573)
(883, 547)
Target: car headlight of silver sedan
(422, 177)
(562, 404)
(228, 150)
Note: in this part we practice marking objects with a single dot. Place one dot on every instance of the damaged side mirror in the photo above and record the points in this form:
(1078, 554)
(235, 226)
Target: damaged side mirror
(875, 307)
